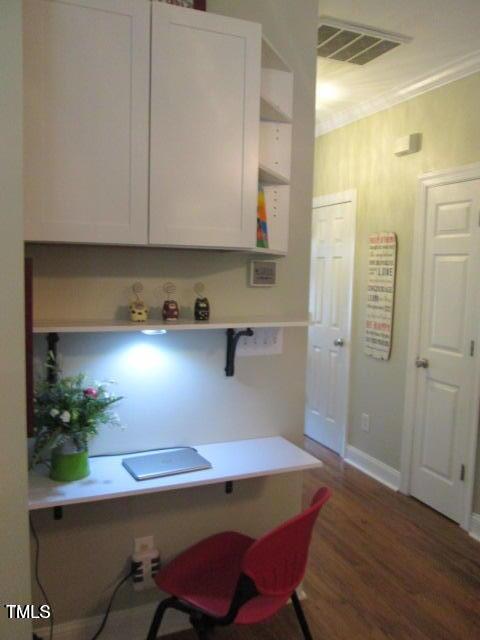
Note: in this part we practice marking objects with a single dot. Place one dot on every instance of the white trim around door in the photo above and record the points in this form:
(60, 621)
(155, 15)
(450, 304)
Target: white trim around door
(426, 182)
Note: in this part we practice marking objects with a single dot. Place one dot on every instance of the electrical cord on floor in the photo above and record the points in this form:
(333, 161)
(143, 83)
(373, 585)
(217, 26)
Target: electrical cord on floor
(37, 576)
(107, 612)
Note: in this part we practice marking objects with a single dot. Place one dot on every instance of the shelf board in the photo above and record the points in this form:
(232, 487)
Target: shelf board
(119, 326)
(271, 113)
(271, 59)
(231, 461)
(269, 176)
(269, 252)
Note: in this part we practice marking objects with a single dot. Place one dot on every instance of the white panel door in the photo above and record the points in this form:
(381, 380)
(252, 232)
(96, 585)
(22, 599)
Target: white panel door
(331, 279)
(205, 105)
(86, 100)
(446, 358)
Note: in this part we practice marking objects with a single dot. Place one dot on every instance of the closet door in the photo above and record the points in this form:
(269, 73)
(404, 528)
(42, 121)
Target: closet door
(86, 87)
(205, 104)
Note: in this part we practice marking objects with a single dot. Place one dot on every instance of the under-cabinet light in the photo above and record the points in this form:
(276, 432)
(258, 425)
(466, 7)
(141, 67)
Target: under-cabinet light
(154, 332)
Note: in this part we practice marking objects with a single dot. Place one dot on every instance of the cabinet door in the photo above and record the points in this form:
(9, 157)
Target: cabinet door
(86, 86)
(205, 105)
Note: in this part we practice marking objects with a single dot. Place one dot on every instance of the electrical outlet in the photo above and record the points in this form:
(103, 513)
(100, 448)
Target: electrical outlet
(145, 563)
(365, 422)
(264, 342)
(143, 545)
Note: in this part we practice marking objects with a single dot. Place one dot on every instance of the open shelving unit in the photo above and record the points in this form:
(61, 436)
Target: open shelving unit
(276, 115)
(268, 252)
(268, 176)
(272, 113)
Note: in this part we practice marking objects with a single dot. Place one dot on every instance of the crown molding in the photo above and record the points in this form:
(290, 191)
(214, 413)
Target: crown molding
(456, 70)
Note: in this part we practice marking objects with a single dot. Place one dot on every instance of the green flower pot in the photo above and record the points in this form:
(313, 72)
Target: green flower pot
(67, 467)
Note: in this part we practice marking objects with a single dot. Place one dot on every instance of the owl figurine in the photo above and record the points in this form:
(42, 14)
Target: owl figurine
(170, 311)
(202, 306)
(138, 309)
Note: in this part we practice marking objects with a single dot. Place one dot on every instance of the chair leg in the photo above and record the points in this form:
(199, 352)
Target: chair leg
(202, 628)
(302, 621)
(158, 617)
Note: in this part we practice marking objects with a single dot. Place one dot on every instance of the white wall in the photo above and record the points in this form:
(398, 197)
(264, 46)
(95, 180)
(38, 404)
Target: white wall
(14, 555)
(176, 392)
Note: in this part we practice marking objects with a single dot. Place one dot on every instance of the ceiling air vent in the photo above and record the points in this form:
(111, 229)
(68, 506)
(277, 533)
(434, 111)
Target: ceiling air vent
(354, 43)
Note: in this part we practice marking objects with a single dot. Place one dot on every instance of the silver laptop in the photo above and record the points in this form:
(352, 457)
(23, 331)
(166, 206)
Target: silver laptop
(165, 463)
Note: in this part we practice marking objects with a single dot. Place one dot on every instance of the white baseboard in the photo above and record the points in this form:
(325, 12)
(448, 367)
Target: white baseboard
(475, 526)
(378, 470)
(126, 624)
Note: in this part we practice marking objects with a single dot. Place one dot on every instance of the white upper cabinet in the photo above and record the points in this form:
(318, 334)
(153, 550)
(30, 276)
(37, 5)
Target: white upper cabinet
(99, 93)
(205, 110)
(86, 105)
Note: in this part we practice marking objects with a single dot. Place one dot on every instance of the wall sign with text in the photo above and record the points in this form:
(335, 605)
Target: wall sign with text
(382, 258)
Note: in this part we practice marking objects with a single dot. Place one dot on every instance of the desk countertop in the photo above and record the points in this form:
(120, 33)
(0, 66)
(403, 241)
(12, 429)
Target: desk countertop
(230, 461)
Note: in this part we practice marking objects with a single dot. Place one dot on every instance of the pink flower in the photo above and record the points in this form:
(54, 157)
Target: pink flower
(90, 392)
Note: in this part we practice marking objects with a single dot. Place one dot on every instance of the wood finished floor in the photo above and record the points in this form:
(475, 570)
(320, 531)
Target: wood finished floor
(382, 566)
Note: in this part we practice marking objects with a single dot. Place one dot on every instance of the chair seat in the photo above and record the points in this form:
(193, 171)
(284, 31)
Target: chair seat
(206, 574)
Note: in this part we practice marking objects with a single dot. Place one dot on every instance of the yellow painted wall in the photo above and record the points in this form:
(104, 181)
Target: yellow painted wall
(14, 556)
(191, 401)
(360, 156)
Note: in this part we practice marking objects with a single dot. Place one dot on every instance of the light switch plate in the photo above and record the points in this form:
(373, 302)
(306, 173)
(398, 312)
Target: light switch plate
(365, 422)
(264, 342)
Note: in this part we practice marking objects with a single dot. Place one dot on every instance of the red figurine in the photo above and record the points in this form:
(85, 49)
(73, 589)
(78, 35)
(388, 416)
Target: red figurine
(170, 310)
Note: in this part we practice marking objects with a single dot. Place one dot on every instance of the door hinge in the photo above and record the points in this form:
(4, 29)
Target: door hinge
(472, 348)
(462, 473)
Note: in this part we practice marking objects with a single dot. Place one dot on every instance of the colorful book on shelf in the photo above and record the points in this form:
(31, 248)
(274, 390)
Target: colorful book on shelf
(262, 224)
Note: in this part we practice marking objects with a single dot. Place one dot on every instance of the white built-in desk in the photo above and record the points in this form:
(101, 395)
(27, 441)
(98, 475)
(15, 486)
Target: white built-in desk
(230, 461)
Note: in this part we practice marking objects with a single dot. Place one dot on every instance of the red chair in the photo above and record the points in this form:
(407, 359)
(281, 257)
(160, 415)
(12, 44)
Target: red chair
(232, 578)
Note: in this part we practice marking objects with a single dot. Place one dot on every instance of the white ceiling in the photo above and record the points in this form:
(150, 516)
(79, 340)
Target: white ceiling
(445, 44)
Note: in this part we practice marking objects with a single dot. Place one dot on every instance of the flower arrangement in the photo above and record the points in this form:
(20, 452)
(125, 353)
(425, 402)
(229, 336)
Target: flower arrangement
(69, 411)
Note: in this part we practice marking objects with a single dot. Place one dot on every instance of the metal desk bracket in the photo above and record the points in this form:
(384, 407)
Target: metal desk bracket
(57, 513)
(232, 341)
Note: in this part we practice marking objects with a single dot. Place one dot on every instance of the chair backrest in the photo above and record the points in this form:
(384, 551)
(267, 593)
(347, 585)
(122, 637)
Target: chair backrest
(276, 562)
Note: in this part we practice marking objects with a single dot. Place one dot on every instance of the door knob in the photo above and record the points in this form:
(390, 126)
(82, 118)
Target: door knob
(421, 363)
(338, 342)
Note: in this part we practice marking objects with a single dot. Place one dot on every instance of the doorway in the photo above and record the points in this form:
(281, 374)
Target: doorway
(441, 406)
(330, 313)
